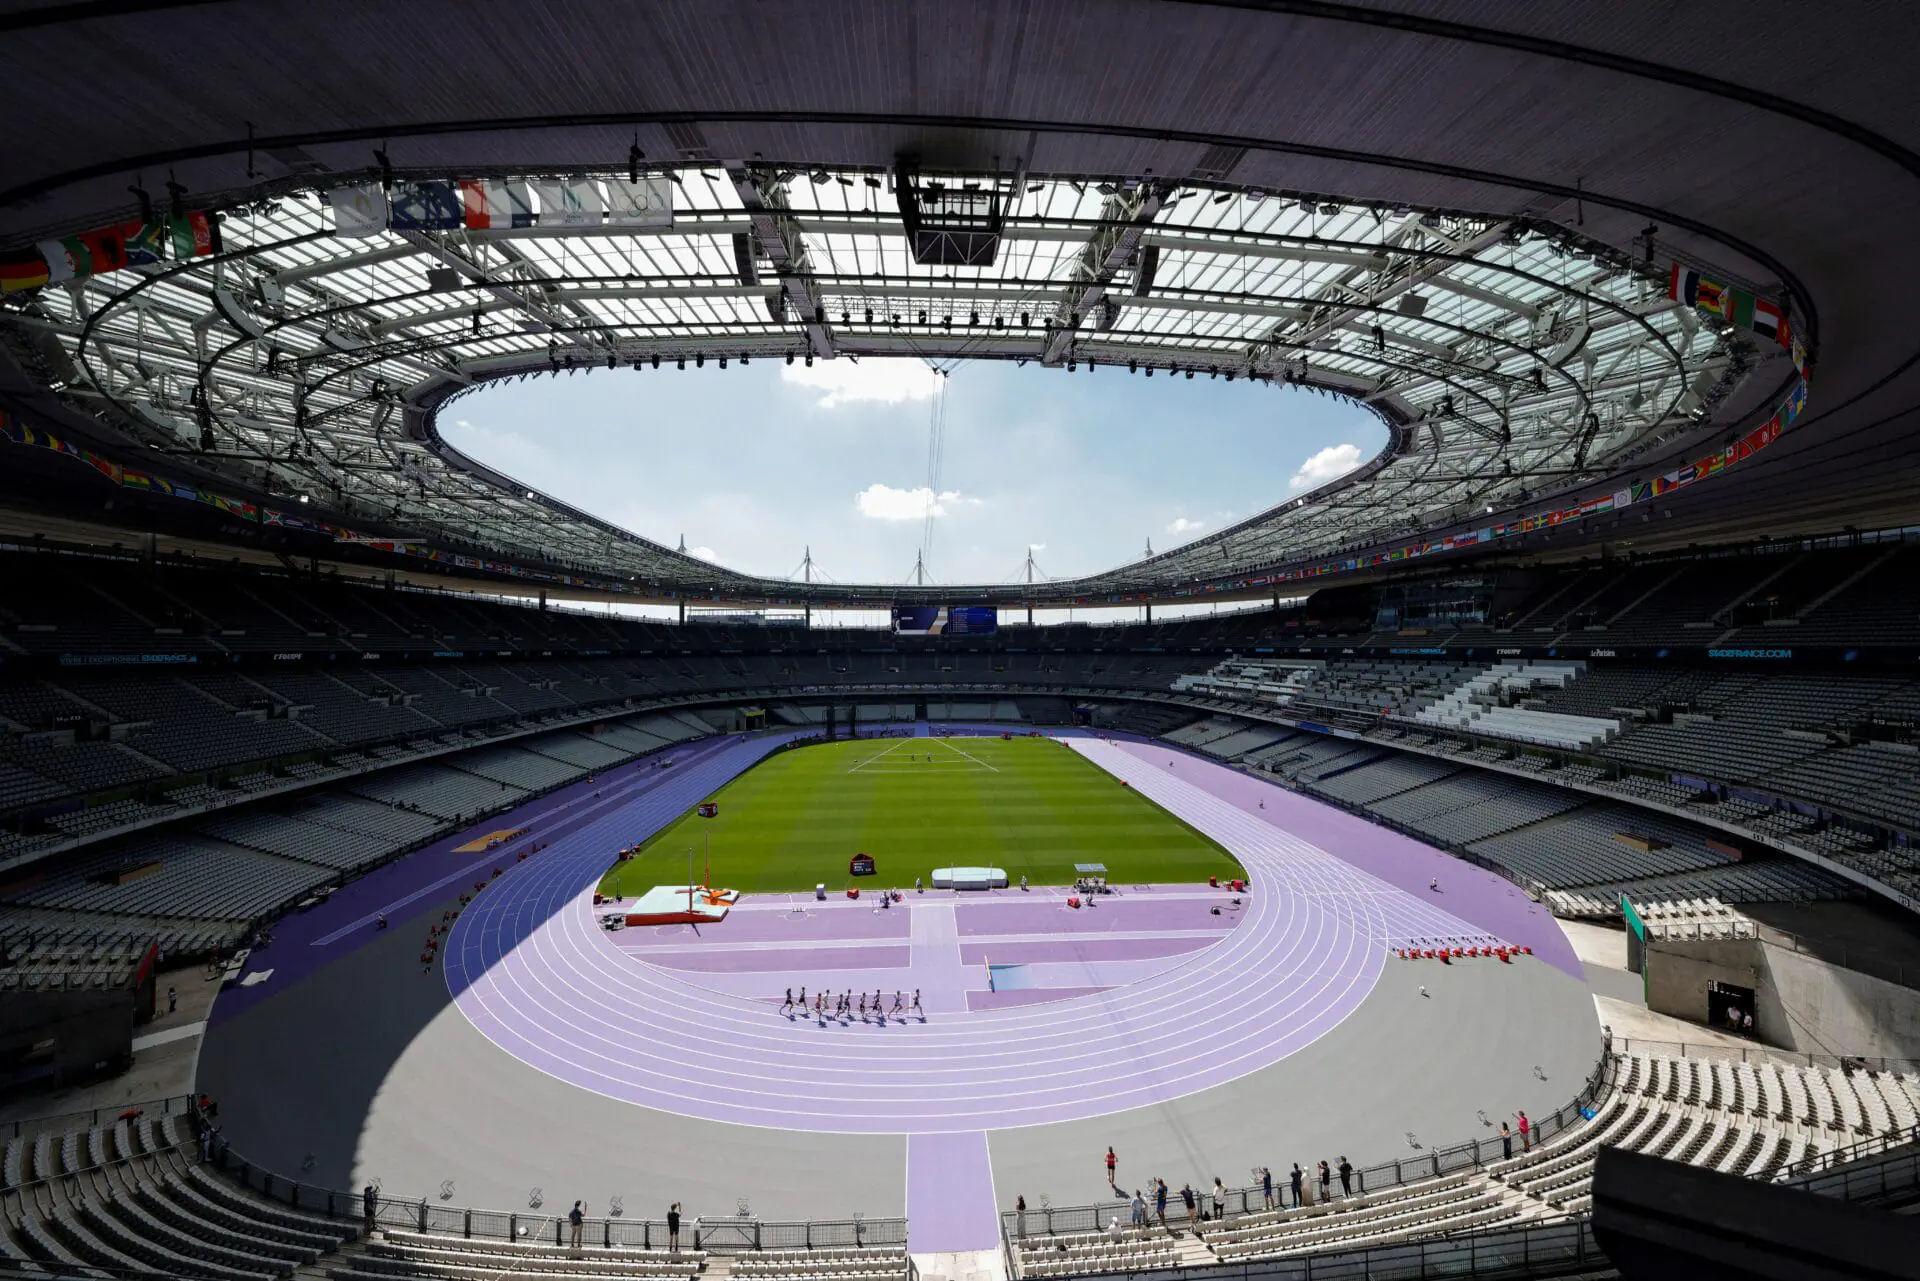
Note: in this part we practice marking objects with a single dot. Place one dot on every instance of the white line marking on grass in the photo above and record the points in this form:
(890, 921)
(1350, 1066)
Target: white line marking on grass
(861, 765)
(969, 755)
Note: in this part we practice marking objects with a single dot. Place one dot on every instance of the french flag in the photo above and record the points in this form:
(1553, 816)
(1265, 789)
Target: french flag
(494, 204)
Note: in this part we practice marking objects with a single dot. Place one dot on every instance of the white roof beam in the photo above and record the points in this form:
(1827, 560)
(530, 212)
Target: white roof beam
(1124, 220)
(784, 245)
(1498, 299)
(1372, 261)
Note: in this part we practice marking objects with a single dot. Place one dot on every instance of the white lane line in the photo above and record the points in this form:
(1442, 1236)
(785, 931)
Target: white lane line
(168, 1037)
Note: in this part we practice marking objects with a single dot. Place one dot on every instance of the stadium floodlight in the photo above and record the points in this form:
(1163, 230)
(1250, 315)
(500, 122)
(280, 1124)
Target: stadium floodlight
(700, 360)
(923, 315)
(656, 360)
(789, 358)
(723, 362)
(743, 357)
(1133, 366)
(305, 499)
(809, 360)
(680, 363)
(1073, 366)
(974, 319)
(869, 315)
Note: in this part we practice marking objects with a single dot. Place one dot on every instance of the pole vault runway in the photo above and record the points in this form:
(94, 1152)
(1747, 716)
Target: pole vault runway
(531, 969)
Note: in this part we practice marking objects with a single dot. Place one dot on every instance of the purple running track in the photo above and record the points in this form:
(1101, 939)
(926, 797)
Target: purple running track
(534, 973)
(1490, 902)
(409, 888)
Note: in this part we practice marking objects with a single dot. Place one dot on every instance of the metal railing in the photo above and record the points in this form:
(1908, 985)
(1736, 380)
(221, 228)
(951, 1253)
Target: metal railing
(1757, 1053)
(1890, 1175)
(739, 1234)
(1546, 1250)
(28, 1127)
(1050, 1220)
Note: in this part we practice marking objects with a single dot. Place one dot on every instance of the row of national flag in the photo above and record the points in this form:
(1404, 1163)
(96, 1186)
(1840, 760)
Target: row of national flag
(1736, 306)
(494, 204)
(95, 253)
(139, 480)
(1640, 491)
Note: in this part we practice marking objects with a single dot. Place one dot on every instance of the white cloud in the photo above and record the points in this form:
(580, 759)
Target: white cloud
(1036, 547)
(1330, 463)
(1182, 525)
(889, 382)
(884, 502)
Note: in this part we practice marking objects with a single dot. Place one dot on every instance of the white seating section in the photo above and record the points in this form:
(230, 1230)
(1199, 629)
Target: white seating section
(1756, 1119)
(823, 1263)
(1072, 1254)
(394, 1254)
(1481, 705)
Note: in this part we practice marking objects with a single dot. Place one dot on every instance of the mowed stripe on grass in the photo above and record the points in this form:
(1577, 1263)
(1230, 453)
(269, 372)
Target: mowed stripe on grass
(1027, 805)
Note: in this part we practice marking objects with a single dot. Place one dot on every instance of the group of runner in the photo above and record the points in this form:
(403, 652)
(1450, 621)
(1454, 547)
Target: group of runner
(848, 1003)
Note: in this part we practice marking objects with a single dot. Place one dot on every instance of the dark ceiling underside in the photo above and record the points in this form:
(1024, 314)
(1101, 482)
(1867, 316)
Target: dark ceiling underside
(1779, 143)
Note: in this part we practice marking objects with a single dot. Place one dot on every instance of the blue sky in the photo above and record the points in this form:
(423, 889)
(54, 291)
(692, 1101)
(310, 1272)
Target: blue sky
(753, 465)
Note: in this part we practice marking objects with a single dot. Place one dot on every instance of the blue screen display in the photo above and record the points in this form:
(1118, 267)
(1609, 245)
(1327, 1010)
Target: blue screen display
(946, 620)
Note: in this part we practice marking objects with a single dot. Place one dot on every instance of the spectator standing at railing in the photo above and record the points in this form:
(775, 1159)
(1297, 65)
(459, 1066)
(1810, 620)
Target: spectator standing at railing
(370, 1205)
(1266, 1186)
(1506, 1142)
(1526, 1132)
(1160, 1201)
(1020, 1216)
(1219, 1198)
(1139, 1209)
(1326, 1183)
(1296, 1183)
(577, 1221)
(1192, 1203)
(673, 1227)
(1346, 1177)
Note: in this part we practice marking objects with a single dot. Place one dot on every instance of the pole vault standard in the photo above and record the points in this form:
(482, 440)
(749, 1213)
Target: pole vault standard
(706, 809)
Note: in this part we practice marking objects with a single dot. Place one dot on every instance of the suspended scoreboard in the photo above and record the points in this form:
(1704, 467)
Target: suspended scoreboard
(945, 620)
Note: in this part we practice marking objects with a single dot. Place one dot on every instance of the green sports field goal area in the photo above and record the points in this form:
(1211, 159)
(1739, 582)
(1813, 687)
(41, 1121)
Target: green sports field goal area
(1028, 805)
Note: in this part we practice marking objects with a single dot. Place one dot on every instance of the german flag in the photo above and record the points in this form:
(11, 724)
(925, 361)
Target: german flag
(22, 270)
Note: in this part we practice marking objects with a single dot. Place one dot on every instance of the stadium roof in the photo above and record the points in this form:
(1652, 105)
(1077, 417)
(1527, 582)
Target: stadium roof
(1471, 228)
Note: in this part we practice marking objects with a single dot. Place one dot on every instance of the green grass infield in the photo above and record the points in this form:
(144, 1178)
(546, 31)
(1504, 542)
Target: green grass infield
(1028, 805)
